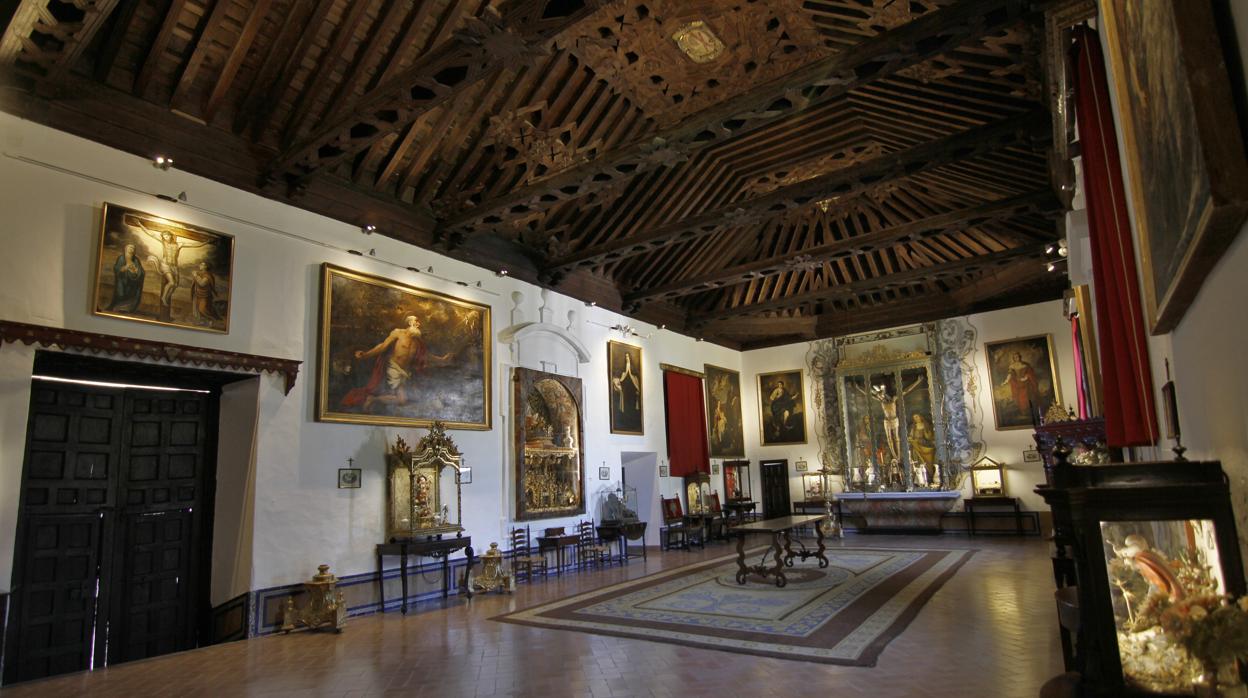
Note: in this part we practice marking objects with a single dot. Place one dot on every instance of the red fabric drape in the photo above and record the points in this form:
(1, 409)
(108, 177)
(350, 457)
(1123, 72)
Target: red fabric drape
(1130, 415)
(686, 424)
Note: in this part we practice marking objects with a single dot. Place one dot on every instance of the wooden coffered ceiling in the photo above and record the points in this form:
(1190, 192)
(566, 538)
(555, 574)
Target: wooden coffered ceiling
(754, 172)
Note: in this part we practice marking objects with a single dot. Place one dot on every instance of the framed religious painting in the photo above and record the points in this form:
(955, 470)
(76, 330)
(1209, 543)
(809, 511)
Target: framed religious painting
(398, 355)
(782, 408)
(725, 433)
(1024, 380)
(152, 269)
(1184, 146)
(624, 380)
(549, 451)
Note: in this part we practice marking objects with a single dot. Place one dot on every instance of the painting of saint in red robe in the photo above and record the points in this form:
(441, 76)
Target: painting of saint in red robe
(1024, 381)
(400, 355)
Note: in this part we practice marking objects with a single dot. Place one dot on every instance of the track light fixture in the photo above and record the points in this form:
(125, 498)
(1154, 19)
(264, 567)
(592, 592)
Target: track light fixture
(161, 162)
(368, 229)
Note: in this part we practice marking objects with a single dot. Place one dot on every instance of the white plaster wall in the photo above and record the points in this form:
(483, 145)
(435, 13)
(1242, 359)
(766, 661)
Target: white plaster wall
(1206, 349)
(233, 515)
(48, 232)
(1005, 446)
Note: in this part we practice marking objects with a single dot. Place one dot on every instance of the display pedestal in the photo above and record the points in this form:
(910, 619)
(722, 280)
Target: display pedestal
(899, 512)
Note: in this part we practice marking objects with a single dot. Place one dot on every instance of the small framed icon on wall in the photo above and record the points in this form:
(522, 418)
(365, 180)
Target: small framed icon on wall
(349, 478)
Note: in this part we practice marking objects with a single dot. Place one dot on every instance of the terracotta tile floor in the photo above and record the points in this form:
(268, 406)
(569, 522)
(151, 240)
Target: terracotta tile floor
(990, 632)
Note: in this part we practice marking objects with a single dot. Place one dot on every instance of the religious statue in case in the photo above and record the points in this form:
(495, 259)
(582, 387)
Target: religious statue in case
(423, 487)
(698, 493)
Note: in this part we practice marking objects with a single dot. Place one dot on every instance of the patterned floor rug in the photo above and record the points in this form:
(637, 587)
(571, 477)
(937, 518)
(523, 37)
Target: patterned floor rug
(843, 614)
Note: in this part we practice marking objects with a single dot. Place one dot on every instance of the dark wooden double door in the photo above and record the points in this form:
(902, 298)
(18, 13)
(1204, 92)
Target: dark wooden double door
(113, 531)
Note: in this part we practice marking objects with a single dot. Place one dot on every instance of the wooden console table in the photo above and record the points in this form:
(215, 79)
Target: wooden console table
(435, 548)
(781, 549)
(974, 503)
(624, 532)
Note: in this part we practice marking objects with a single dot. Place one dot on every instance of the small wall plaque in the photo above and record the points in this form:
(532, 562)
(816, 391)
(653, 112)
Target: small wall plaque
(349, 478)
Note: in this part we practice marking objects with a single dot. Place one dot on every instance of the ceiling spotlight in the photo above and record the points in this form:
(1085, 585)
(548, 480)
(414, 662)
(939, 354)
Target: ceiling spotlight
(368, 229)
(161, 162)
(501, 272)
(1062, 249)
(1050, 266)
(699, 339)
(662, 327)
(1048, 249)
(591, 304)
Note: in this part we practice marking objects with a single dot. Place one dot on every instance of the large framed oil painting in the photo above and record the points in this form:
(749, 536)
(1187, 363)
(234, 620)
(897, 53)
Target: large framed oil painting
(398, 355)
(550, 454)
(1184, 148)
(624, 379)
(724, 431)
(1024, 379)
(782, 408)
(152, 269)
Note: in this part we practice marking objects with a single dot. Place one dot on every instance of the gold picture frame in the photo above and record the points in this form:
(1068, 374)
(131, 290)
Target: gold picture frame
(369, 372)
(1019, 392)
(626, 400)
(164, 272)
(1184, 149)
(781, 409)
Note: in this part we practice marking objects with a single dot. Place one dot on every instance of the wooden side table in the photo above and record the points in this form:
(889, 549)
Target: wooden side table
(435, 548)
(557, 544)
(975, 503)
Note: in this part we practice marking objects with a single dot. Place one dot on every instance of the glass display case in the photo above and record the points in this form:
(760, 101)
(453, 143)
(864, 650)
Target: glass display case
(814, 487)
(423, 487)
(1150, 542)
(988, 477)
(737, 481)
(618, 506)
(697, 493)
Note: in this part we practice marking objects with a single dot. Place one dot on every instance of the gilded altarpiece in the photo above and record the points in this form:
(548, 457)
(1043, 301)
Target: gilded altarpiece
(549, 453)
(891, 410)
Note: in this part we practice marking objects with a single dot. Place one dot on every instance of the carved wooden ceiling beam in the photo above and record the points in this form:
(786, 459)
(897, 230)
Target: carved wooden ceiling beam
(45, 37)
(1038, 201)
(494, 41)
(968, 144)
(900, 279)
(818, 83)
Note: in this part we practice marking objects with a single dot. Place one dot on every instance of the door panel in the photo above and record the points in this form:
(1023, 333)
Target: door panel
(154, 609)
(155, 603)
(56, 606)
(775, 481)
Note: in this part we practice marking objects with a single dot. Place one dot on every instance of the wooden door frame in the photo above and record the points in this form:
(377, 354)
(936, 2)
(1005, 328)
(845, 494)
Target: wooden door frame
(199, 617)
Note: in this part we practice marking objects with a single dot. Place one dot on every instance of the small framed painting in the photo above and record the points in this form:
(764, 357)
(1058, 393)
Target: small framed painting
(604, 473)
(800, 466)
(663, 471)
(349, 478)
(1031, 455)
(1024, 380)
(714, 468)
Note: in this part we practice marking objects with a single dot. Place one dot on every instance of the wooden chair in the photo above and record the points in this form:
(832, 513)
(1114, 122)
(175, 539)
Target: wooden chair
(673, 533)
(523, 557)
(719, 524)
(590, 550)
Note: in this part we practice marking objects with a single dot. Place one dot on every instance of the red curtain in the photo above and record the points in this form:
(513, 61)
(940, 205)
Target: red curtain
(1130, 416)
(686, 424)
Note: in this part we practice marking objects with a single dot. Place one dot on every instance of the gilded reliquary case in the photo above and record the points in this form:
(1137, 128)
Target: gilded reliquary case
(549, 455)
(423, 488)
